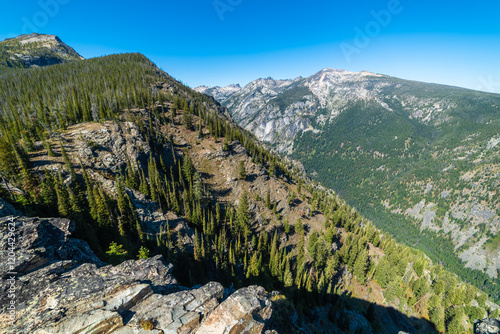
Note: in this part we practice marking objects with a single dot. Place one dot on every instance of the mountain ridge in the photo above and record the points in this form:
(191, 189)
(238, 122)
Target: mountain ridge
(151, 167)
(414, 117)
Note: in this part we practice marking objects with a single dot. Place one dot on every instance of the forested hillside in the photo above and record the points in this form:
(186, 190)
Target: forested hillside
(420, 160)
(146, 166)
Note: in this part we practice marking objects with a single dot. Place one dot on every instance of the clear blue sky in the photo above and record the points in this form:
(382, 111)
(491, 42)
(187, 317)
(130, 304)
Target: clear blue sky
(236, 41)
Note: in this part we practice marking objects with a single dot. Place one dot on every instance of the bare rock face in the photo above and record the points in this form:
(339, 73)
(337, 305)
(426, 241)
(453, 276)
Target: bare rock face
(245, 311)
(8, 210)
(37, 242)
(60, 286)
(487, 326)
(110, 146)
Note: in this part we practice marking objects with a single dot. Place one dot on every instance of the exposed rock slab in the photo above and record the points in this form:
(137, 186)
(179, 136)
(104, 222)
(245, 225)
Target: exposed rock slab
(245, 311)
(62, 287)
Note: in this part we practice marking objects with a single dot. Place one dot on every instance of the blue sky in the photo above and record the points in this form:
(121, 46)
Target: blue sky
(236, 41)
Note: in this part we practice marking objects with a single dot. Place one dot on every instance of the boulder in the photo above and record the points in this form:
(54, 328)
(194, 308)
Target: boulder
(487, 326)
(245, 311)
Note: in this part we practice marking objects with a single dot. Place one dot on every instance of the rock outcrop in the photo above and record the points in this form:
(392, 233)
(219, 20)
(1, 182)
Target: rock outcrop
(58, 285)
(244, 311)
(106, 148)
(487, 326)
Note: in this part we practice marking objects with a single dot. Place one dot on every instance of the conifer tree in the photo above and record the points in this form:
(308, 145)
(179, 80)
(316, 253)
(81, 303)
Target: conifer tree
(268, 199)
(254, 266)
(288, 275)
(311, 244)
(143, 253)
(241, 170)
(299, 227)
(197, 187)
(242, 214)
(272, 168)
(361, 267)
(63, 204)
(188, 168)
(197, 246)
(144, 185)
(274, 256)
(49, 195)
(286, 226)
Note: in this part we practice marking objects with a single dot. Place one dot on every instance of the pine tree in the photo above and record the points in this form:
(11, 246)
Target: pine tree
(301, 251)
(187, 119)
(286, 226)
(67, 162)
(63, 204)
(102, 206)
(116, 253)
(242, 214)
(288, 275)
(254, 266)
(50, 151)
(361, 267)
(197, 246)
(274, 256)
(268, 199)
(331, 266)
(188, 168)
(143, 253)
(197, 187)
(299, 227)
(272, 168)
(311, 244)
(241, 170)
(144, 185)
(383, 272)
(49, 195)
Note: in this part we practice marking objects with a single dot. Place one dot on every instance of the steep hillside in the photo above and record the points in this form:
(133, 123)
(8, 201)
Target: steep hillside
(402, 152)
(144, 166)
(35, 50)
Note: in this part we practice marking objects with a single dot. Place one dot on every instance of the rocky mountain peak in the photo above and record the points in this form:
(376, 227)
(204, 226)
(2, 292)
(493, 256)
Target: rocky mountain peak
(35, 37)
(35, 50)
(337, 76)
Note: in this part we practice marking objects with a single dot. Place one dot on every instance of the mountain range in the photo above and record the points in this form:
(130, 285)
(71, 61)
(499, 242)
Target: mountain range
(407, 154)
(130, 203)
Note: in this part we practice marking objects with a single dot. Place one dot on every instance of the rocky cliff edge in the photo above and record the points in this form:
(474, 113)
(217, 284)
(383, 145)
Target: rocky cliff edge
(56, 284)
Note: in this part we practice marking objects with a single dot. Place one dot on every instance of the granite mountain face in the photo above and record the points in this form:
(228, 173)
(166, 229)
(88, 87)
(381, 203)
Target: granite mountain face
(407, 154)
(219, 93)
